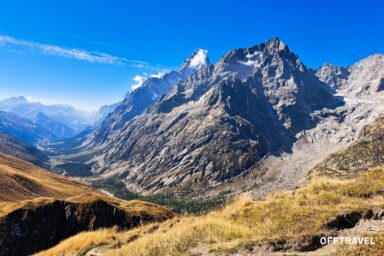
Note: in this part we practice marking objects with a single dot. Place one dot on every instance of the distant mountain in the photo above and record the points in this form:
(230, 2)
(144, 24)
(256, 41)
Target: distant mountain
(150, 91)
(97, 117)
(217, 123)
(61, 120)
(24, 129)
(16, 148)
(58, 129)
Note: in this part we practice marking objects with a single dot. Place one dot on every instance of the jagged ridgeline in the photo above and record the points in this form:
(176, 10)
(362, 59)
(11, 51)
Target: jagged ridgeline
(215, 124)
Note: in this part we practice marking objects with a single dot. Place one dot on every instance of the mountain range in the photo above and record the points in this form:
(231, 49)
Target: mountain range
(24, 129)
(257, 106)
(63, 121)
(257, 121)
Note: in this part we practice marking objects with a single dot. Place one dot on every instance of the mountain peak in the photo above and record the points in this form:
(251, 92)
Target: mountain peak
(198, 59)
(275, 43)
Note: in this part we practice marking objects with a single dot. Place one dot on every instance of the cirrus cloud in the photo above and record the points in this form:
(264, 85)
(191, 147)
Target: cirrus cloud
(19, 45)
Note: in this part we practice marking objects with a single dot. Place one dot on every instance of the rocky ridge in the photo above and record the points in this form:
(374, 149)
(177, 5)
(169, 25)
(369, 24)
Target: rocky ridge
(218, 123)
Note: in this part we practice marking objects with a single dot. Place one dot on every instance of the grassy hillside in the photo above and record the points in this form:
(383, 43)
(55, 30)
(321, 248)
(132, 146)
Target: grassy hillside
(39, 208)
(21, 180)
(11, 146)
(24, 185)
(290, 220)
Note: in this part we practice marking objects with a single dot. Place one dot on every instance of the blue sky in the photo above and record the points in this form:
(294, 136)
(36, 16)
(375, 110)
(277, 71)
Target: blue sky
(86, 53)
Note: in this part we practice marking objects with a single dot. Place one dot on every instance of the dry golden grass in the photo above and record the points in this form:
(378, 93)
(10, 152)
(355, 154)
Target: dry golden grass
(287, 215)
(80, 242)
(23, 185)
(20, 180)
(363, 250)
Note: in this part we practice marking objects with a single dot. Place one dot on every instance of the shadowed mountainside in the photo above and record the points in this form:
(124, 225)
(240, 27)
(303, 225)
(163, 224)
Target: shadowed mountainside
(23, 129)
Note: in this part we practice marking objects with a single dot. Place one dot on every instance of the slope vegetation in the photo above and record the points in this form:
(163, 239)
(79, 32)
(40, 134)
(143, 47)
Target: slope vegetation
(38, 208)
(287, 221)
(21, 181)
(16, 148)
(367, 152)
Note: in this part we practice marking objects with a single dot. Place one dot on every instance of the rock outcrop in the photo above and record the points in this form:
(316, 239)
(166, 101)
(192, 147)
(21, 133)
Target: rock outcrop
(31, 229)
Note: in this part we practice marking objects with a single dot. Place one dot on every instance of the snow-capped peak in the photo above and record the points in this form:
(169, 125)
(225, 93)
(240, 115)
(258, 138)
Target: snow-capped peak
(197, 60)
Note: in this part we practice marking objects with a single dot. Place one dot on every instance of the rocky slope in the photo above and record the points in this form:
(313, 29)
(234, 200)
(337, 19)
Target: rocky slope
(16, 148)
(366, 153)
(335, 131)
(218, 123)
(363, 80)
(138, 100)
(38, 208)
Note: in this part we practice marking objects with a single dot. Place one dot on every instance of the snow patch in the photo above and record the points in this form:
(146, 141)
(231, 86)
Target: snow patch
(252, 59)
(252, 55)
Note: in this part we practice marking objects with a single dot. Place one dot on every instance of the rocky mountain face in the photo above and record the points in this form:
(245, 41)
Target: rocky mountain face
(333, 76)
(16, 148)
(23, 129)
(258, 120)
(150, 91)
(219, 122)
(99, 116)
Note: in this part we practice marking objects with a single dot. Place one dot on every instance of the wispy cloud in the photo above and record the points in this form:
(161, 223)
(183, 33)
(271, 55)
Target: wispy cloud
(140, 79)
(54, 50)
(73, 53)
